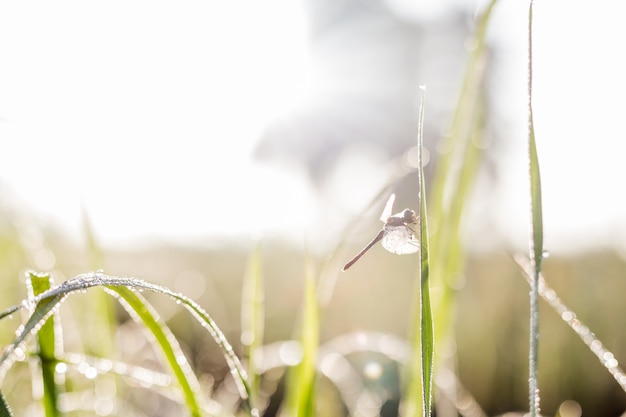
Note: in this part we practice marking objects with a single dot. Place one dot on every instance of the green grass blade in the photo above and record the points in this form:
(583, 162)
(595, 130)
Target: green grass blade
(47, 301)
(301, 380)
(253, 318)
(44, 307)
(595, 345)
(48, 345)
(536, 239)
(168, 345)
(421, 363)
(536, 244)
(447, 175)
(427, 328)
(453, 179)
(5, 410)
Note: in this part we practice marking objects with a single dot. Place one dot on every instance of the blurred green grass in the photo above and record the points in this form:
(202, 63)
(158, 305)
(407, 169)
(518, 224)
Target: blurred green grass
(490, 323)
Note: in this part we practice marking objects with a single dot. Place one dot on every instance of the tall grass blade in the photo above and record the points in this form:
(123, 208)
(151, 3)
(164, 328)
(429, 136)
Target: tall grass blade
(5, 410)
(167, 343)
(253, 319)
(301, 379)
(536, 239)
(49, 344)
(454, 176)
(421, 362)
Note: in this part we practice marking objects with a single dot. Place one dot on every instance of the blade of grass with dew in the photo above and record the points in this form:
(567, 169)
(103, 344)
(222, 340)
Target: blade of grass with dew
(606, 357)
(419, 385)
(49, 344)
(536, 238)
(50, 299)
(300, 400)
(168, 345)
(253, 319)
(44, 308)
(5, 410)
(454, 176)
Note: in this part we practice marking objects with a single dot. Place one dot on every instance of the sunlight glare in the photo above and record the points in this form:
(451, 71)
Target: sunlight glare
(151, 125)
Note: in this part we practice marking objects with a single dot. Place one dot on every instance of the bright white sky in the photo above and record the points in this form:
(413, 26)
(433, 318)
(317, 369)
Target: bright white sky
(97, 100)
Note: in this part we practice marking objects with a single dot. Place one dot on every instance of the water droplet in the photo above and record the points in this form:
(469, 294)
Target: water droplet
(373, 370)
(91, 372)
(61, 368)
(290, 353)
(19, 353)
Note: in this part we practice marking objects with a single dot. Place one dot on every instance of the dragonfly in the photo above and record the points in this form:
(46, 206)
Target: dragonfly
(396, 235)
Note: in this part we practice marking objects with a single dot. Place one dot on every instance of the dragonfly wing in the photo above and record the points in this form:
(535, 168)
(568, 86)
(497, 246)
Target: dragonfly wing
(400, 240)
(388, 208)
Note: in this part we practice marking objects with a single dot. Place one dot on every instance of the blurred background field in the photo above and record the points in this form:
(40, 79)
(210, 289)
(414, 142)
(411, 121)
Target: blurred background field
(184, 134)
(490, 324)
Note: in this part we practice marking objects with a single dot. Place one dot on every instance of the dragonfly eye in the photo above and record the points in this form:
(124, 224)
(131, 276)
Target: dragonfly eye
(409, 215)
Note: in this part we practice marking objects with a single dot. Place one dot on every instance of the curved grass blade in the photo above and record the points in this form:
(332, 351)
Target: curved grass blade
(421, 362)
(48, 300)
(49, 343)
(167, 343)
(536, 236)
(44, 306)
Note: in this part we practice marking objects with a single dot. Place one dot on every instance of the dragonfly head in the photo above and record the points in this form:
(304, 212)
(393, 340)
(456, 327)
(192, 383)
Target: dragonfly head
(409, 216)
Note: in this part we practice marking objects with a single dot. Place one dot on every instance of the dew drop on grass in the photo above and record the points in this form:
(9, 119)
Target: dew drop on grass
(570, 408)
(373, 370)
(60, 368)
(91, 373)
(290, 353)
(28, 304)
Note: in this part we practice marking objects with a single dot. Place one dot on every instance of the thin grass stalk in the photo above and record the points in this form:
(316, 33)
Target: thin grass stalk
(419, 387)
(427, 327)
(536, 238)
(253, 319)
(606, 357)
(48, 345)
